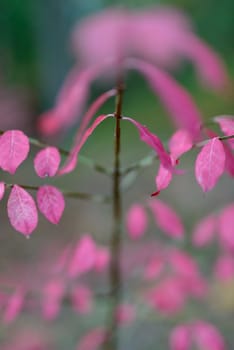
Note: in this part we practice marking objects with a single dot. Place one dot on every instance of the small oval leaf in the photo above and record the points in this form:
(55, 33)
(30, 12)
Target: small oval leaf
(50, 203)
(14, 149)
(46, 162)
(22, 211)
(210, 164)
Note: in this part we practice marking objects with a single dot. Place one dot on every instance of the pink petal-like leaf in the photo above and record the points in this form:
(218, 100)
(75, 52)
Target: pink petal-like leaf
(72, 159)
(180, 338)
(166, 218)
(226, 227)
(176, 99)
(154, 268)
(70, 102)
(125, 314)
(14, 306)
(163, 178)
(53, 294)
(84, 257)
(92, 340)
(210, 164)
(229, 161)
(102, 258)
(136, 221)
(93, 109)
(2, 189)
(82, 299)
(204, 231)
(226, 124)
(183, 264)
(153, 141)
(207, 336)
(14, 149)
(46, 162)
(180, 143)
(22, 211)
(50, 203)
(224, 268)
(168, 297)
(208, 64)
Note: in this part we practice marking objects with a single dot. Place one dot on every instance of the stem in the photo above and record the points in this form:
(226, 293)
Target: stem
(111, 341)
(78, 195)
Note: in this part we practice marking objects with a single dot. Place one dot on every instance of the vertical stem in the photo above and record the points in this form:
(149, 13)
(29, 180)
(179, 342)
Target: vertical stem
(111, 342)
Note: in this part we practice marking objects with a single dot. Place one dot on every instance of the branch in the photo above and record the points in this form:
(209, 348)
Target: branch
(78, 195)
(221, 138)
(111, 341)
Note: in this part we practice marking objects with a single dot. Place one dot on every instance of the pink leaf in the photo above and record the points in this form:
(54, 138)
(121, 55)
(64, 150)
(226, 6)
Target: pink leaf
(166, 218)
(180, 143)
(153, 141)
(226, 227)
(53, 294)
(125, 315)
(92, 340)
(136, 221)
(22, 211)
(224, 268)
(229, 161)
(210, 164)
(2, 190)
(183, 264)
(14, 306)
(204, 231)
(93, 109)
(176, 99)
(14, 149)
(154, 268)
(168, 296)
(47, 161)
(163, 178)
(70, 102)
(180, 338)
(226, 124)
(82, 299)
(207, 336)
(102, 258)
(209, 65)
(84, 257)
(50, 203)
(72, 159)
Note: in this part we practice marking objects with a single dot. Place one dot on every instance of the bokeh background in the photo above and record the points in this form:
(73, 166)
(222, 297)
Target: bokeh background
(35, 56)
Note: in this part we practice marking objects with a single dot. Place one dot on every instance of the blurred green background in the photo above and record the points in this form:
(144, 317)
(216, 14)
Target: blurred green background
(35, 57)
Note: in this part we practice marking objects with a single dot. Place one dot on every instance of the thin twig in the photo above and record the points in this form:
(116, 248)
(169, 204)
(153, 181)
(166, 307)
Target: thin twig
(78, 195)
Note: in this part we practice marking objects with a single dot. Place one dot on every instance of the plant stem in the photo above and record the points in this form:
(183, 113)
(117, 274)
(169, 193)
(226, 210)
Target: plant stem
(78, 195)
(111, 341)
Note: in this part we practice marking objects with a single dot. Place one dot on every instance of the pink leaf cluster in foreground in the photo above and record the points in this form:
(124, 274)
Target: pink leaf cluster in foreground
(201, 334)
(59, 284)
(176, 277)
